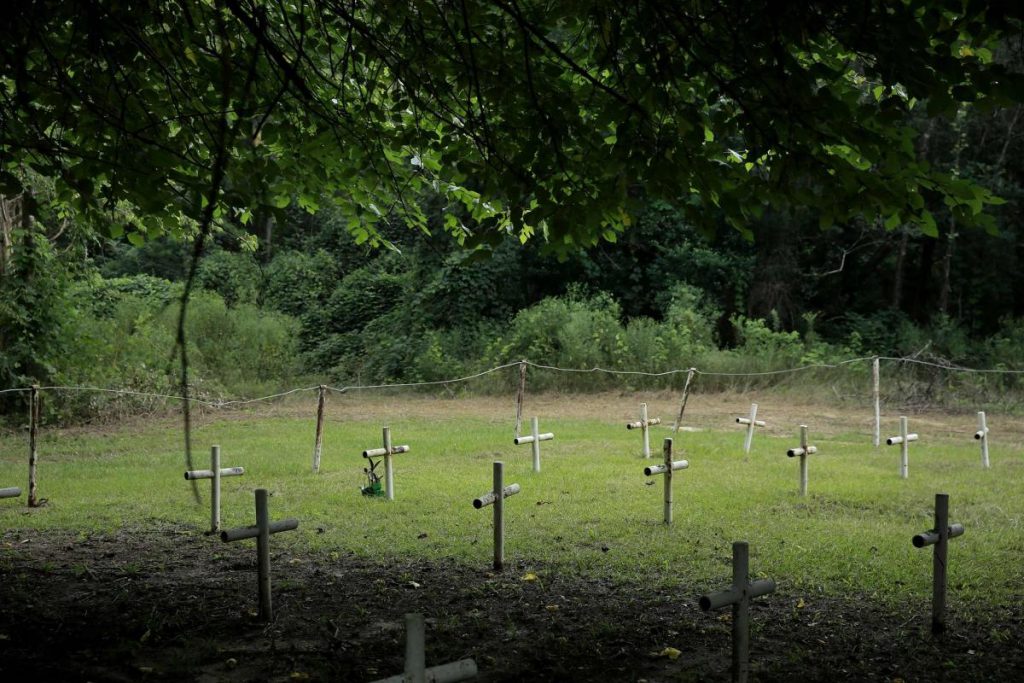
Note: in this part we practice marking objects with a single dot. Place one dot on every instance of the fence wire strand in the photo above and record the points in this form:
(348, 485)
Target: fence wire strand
(540, 366)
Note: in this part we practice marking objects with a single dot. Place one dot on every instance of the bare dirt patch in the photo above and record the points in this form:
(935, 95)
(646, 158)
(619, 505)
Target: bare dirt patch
(170, 604)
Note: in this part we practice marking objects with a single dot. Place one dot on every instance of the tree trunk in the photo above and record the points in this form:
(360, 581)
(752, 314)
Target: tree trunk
(947, 267)
(897, 279)
(10, 215)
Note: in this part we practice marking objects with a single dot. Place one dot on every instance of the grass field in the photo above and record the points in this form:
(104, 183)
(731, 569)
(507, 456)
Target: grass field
(590, 511)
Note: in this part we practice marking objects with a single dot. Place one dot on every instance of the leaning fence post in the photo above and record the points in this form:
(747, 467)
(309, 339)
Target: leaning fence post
(318, 446)
(686, 395)
(982, 436)
(33, 447)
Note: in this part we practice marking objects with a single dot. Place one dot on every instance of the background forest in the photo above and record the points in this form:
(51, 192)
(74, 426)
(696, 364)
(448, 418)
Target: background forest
(283, 302)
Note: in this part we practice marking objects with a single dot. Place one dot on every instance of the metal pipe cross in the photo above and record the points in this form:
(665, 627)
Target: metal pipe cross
(535, 438)
(903, 440)
(667, 469)
(982, 436)
(12, 492)
(261, 532)
(643, 423)
(738, 595)
(751, 422)
(496, 497)
(214, 474)
(939, 537)
(387, 451)
(416, 670)
(803, 450)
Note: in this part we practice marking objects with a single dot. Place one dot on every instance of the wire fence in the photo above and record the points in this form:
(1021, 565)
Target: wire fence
(910, 382)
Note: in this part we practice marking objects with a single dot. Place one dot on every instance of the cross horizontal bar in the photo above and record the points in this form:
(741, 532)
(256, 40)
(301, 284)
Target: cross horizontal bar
(810, 450)
(639, 424)
(519, 440)
(12, 492)
(896, 440)
(489, 497)
(746, 421)
(661, 469)
(208, 474)
(754, 589)
(453, 672)
(376, 452)
(244, 532)
(981, 433)
(931, 537)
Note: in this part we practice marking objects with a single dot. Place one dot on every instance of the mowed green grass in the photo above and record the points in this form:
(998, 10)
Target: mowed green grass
(590, 511)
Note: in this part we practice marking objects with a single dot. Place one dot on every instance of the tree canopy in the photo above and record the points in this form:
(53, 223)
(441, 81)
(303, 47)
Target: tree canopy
(525, 116)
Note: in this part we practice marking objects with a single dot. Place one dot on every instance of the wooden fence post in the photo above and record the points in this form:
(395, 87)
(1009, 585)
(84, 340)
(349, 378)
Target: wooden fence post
(686, 395)
(520, 396)
(875, 378)
(33, 443)
(318, 446)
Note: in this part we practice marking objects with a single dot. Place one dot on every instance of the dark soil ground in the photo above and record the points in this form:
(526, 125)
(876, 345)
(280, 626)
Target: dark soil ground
(169, 604)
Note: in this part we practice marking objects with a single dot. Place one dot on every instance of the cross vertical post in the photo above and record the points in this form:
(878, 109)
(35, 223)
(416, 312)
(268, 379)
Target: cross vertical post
(738, 595)
(499, 513)
(534, 439)
(750, 422)
(903, 440)
(646, 434)
(667, 470)
(214, 474)
(416, 670)
(215, 489)
(389, 470)
(261, 532)
(982, 436)
(263, 554)
(939, 537)
(644, 424)
(803, 450)
(535, 431)
(496, 497)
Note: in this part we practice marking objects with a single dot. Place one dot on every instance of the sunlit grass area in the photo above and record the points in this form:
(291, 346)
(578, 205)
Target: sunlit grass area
(590, 510)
